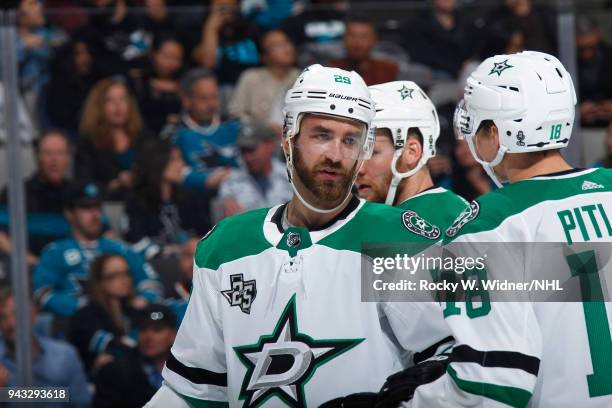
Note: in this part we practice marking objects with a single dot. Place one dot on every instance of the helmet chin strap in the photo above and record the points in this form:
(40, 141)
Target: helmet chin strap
(399, 176)
(488, 166)
(291, 170)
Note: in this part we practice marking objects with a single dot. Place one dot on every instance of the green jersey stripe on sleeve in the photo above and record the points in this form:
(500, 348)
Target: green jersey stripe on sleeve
(515, 397)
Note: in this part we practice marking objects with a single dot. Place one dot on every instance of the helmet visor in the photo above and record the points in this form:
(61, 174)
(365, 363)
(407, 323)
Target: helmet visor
(351, 141)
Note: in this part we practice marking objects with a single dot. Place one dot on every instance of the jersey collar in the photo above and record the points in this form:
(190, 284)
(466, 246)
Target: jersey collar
(564, 174)
(274, 231)
(430, 190)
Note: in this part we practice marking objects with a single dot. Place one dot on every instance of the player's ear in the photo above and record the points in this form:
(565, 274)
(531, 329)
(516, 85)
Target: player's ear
(494, 134)
(412, 153)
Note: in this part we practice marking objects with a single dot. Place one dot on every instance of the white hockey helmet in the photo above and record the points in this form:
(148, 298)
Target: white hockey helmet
(402, 105)
(333, 92)
(529, 96)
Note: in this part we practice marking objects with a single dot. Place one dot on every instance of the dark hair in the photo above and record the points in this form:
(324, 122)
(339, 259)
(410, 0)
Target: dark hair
(151, 161)
(194, 75)
(412, 132)
(48, 132)
(416, 133)
(359, 17)
(96, 291)
(262, 38)
(486, 124)
(162, 38)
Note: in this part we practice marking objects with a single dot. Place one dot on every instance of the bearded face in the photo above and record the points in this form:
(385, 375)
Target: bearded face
(326, 156)
(327, 180)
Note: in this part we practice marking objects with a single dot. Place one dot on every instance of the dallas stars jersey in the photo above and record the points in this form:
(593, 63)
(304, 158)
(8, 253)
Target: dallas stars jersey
(534, 354)
(276, 319)
(437, 205)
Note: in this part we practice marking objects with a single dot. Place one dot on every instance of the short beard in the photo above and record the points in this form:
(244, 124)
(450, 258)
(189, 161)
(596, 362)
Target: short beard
(325, 191)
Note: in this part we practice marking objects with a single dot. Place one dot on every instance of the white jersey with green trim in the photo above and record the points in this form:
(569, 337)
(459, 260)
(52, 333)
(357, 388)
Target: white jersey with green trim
(276, 318)
(534, 354)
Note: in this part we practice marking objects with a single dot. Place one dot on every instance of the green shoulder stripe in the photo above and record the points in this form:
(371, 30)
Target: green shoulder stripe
(233, 238)
(198, 403)
(515, 397)
(490, 210)
(379, 223)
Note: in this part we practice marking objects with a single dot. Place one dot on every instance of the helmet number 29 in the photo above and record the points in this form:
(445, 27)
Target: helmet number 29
(555, 132)
(342, 79)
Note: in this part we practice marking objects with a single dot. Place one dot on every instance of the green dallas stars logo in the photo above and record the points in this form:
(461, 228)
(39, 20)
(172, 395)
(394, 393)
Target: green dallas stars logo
(280, 364)
(499, 67)
(416, 224)
(405, 92)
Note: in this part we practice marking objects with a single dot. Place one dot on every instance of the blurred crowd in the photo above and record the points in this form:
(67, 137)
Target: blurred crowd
(149, 125)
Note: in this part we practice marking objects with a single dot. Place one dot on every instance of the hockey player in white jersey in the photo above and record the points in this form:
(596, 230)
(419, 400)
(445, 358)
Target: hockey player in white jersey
(275, 317)
(407, 129)
(517, 113)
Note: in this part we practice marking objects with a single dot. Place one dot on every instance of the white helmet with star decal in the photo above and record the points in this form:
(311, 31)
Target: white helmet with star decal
(333, 92)
(529, 96)
(402, 105)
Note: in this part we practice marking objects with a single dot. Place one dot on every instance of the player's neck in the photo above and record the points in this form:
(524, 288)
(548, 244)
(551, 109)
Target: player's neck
(413, 185)
(298, 215)
(523, 166)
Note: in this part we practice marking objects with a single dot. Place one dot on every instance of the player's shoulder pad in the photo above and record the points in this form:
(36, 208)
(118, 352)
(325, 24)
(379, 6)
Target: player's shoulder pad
(482, 214)
(232, 238)
(394, 224)
(606, 176)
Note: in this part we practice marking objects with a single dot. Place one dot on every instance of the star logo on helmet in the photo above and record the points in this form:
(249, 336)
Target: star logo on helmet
(499, 67)
(405, 92)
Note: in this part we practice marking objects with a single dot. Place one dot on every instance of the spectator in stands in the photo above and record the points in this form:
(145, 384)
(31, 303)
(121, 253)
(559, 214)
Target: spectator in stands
(160, 214)
(72, 14)
(106, 327)
(261, 181)
(228, 43)
(157, 86)
(258, 89)
(439, 38)
(73, 74)
(157, 21)
(317, 31)
(268, 14)
(206, 142)
(61, 276)
(131, 380)
(44, 193)
(594, 83)
(35, 45)
(607, 160)
(359, 40)
(54, 363)
(115, 36)
(179, 290)
(110, 128)
(537, 23)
